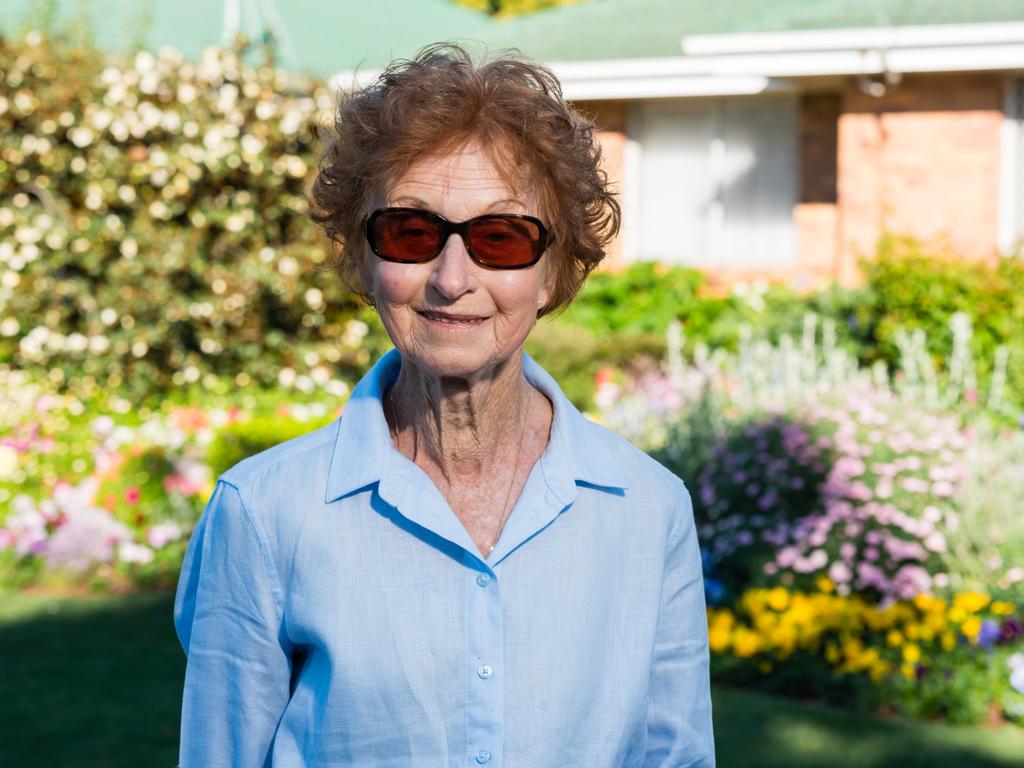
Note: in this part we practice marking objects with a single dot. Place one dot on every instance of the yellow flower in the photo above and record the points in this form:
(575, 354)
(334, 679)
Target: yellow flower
(911, 653)
(878, 670)
(745, 643)
(912, 631)
(894, 638)
(718, 639)
(1002, 608)
(948, 641)
(907, 670)
(783, 637)
(778, 599)
(719, 631)
(924, 602)
(826, 585)
(972, 602)
(971, 627)
(831, 653)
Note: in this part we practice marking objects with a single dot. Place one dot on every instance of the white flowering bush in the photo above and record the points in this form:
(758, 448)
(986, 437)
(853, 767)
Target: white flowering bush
(153, 224)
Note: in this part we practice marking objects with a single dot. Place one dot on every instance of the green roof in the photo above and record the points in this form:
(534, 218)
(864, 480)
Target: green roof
(627, 29)
(327, 36)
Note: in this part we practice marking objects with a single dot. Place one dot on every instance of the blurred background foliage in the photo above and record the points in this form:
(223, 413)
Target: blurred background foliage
(154, 235)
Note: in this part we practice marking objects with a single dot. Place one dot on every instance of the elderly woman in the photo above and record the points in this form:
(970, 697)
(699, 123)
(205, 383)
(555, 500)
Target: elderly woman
(462, 570)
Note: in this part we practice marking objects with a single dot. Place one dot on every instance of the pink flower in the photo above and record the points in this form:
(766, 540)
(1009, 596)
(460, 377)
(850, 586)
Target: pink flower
(786, 556)
(131, 495)
(931, 514)
(914, 485)
(817, 559)
(859, 492)
(936, 542)
(839, 573)
(88, 536)
(911, 580)
(943, 488)
(161, 534)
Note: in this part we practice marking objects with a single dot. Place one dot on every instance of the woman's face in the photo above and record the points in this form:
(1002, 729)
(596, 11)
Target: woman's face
(451, 316)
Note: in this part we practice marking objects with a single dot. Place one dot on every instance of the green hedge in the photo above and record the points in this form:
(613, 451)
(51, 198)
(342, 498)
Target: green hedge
(911, 287)
(244, 439)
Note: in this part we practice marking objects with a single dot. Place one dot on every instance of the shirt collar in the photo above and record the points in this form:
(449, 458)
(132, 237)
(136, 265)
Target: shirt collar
(578, 450)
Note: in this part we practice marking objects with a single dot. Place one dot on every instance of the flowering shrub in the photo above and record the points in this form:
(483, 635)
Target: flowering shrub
(916, 653)
(753, 493)
(120, 511)
(861, 537)
(153, 228)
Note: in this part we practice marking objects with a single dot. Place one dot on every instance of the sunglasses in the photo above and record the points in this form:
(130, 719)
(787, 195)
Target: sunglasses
(495, 240)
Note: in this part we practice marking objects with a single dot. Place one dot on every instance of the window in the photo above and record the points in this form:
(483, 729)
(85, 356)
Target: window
(714, 182)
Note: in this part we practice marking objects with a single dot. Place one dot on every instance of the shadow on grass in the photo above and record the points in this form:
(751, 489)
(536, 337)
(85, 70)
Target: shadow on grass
(89, 681)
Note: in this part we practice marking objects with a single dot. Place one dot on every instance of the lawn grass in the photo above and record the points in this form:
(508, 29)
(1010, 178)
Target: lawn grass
(96, 682)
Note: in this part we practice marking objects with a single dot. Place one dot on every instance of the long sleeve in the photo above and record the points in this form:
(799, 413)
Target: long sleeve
(228, 619)
(679, 727)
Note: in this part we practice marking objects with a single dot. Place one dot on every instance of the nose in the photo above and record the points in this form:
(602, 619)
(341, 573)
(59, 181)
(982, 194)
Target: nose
(452, 275)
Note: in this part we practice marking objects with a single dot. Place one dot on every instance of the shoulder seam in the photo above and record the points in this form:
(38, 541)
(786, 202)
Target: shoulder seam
(276, 589)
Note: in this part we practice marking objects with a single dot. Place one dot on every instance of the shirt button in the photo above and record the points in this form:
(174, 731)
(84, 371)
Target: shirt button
(483, 756)
(483, 579)
(485, 671)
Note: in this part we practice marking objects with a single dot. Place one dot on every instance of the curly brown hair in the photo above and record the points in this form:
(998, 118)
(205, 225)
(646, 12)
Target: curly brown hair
(437, 102)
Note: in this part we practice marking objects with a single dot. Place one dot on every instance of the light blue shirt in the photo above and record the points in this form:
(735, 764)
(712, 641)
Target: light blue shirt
(335, 612)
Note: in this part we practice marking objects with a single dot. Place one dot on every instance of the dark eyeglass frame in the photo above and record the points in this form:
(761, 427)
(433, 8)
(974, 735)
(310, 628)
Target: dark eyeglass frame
(460, 228)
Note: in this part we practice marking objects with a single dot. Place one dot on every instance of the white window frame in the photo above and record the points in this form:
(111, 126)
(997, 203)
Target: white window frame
(1011, 168)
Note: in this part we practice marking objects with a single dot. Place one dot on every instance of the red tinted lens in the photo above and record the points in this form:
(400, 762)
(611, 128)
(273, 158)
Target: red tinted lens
(406, 236)
(504, 241)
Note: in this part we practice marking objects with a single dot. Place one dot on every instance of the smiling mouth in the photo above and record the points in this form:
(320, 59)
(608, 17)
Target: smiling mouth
(451, 319)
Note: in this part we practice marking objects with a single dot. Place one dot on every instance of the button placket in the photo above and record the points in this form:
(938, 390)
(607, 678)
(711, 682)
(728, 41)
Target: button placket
(484, 656)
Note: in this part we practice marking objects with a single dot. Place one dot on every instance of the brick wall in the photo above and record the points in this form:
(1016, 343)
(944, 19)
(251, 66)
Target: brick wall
(922, 160)
(610, 116)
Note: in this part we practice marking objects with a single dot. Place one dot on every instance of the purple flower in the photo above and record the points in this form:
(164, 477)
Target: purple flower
(989, 633)
(1009, 631)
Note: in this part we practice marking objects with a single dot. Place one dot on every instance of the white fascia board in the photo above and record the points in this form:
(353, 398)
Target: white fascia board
(627, 79)
(660, 87)
(1008, 56)
(854, 38)
(724, 65)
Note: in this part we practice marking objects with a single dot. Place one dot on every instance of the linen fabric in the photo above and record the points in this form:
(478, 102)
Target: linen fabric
(335, 612)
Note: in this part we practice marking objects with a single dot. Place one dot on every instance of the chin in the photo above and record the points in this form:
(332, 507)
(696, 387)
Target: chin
(458, 363)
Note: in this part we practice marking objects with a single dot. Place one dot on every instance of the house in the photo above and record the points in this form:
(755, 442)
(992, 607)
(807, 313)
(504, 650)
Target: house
(749, 139)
